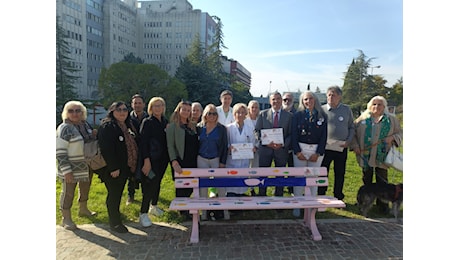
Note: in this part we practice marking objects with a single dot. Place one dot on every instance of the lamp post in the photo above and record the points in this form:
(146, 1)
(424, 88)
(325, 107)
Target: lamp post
(372, 69)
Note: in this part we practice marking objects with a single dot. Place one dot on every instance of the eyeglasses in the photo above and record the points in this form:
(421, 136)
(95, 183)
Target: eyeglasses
(287, 99)
(119, 109)
(71, 111)
(211, 114)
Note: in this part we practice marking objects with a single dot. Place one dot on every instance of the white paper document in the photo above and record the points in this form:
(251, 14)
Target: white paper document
(274, 135)
(334, 145)
(242, 151)
(308, 149)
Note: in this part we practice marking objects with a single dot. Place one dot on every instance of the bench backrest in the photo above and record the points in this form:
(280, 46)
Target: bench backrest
(251, 177)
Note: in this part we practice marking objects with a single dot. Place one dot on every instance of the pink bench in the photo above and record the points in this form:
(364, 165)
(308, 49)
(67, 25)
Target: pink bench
(308, 177)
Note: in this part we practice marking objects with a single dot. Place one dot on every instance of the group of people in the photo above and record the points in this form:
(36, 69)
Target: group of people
(138, 146)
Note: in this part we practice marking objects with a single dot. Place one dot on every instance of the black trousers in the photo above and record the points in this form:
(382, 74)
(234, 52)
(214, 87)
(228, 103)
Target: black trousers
(151, 187)
(115, 187)
(132, 186)
(340, 162)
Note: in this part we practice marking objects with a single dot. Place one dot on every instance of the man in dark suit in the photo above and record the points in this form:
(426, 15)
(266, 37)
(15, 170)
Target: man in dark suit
(274, 117)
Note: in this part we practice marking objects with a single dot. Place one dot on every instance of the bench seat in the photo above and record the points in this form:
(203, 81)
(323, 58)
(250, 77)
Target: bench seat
(307, 177)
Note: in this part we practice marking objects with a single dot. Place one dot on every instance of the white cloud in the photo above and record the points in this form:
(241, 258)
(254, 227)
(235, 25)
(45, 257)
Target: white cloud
(299, 52)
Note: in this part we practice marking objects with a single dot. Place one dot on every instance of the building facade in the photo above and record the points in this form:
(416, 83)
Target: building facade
(238, 71)
(103, 32)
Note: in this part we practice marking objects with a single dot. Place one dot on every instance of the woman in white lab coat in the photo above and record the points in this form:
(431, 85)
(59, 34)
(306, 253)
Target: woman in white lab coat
(239, 132)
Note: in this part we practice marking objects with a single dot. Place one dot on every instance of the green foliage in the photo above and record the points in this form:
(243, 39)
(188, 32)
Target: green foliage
(197, 73)
(123, 79)
(240, 92)
(130, 213)
(359, 87)
(395, 94)
(131, 59)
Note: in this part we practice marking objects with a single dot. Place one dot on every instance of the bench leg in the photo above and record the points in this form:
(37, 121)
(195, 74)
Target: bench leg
(194, 237)
(310, 221)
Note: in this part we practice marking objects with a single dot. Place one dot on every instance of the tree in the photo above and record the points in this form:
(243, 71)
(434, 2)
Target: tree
(65, 71)
(121, 80)
(358, 86)
(131, 59)
(214, 56)
(203, 75)
(198, 75)
(240, 92)
(395, 94)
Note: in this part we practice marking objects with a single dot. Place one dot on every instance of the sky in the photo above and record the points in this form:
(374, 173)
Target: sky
(292, 43)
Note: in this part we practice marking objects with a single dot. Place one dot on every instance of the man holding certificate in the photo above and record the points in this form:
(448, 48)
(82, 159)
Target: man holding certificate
(340, 134)
(273, 130)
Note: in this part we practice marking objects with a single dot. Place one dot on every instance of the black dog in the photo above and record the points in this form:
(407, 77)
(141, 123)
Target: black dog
(385, 192)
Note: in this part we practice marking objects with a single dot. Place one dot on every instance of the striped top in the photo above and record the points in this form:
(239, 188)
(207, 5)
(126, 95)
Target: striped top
(69, 153)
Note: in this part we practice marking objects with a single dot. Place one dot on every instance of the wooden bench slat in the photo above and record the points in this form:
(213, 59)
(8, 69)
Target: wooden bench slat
(250, 203)
(250, 182)
(254, 172)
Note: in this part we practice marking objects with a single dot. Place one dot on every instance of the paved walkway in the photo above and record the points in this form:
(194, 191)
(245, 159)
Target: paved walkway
(274, 239)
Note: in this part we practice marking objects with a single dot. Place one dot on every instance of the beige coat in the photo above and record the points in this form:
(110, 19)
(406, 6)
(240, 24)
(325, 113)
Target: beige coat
(358, 140)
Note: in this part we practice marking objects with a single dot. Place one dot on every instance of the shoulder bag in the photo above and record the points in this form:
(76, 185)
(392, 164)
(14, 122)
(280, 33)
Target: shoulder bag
(394, 159)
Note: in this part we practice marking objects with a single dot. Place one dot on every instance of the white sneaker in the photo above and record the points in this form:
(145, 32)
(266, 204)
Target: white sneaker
(156, 211)
(145, 220)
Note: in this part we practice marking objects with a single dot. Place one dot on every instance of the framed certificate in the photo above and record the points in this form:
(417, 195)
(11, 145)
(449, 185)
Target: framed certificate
(242, 151)
(274, 135)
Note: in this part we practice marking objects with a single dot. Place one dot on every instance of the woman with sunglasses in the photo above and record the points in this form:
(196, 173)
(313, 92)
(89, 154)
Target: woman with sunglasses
(117, 140)
(212, 152)
(154, 158)
(72, 168)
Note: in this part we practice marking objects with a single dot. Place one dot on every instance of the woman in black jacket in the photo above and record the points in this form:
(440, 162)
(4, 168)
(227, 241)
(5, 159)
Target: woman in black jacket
(117, 141)
(154, 158)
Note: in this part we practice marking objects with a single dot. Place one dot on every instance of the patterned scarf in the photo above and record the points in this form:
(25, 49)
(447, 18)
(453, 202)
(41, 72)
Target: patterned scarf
(381, 146)
(83, 129)
(131, 146)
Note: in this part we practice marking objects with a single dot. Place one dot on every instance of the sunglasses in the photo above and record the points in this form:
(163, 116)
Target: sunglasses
(71, 111)
(186, 103)
(119, 109)
(211, 114)
(286, 99)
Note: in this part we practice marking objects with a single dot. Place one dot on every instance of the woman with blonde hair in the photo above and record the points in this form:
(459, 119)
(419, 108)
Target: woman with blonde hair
(253, 113)
(154, 158)
(72, 167)
(239, 132)
(212, 152)
(376, 131)
(309, 136)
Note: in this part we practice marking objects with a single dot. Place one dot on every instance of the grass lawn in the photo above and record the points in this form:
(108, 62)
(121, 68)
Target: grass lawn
(98, 193)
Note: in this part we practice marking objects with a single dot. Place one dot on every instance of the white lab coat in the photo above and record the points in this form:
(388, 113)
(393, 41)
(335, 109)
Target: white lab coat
(234, 136)
(225, 120)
